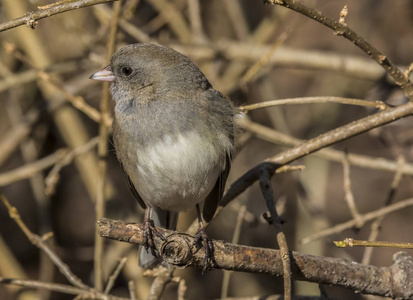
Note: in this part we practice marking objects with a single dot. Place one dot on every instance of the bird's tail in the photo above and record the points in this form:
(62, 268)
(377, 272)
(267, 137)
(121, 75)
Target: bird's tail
(161, 218)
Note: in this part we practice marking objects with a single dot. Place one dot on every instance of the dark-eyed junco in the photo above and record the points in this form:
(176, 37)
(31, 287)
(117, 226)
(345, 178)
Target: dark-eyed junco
(173, 134)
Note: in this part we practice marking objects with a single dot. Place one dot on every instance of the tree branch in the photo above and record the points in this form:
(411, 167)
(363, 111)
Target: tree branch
(30, 18)
(341, 28)
(323, 140)
(395, 281)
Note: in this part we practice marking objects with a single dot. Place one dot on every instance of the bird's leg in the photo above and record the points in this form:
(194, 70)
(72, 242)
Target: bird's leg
(202, 237)
(148, 228)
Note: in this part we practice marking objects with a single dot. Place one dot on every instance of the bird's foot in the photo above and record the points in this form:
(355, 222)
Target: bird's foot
(201, 240)
(148, 232)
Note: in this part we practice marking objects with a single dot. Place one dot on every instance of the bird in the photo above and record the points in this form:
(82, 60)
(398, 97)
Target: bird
(173, 135)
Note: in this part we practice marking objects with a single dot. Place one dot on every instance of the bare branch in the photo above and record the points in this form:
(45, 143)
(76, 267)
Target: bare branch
(319, 142)
(363, 161)
(62, 288)
(348, 193)
(40, 243)
(31, 17)
(363, 218)
(176, 250)
(61, 157)
(341, 28)
(349, 242)
(310, 100)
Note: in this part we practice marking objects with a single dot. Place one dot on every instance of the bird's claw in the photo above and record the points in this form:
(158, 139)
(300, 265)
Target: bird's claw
(148, 231)
(148, 242)
(201, 239)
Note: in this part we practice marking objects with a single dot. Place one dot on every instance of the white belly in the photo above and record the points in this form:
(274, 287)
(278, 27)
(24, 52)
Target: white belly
(176, 174)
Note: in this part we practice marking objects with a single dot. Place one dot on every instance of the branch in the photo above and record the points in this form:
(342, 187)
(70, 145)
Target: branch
(395, 281)
(363, 161)
(344, 64)
(61, 288)
(60, 158)
(324, 140)
(362, 219)
(266, 174)
(310, 100)
(30, 18)
(341, 29)
(41, 244)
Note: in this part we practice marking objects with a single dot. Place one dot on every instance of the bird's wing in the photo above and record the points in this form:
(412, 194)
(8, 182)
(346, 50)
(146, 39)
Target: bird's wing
(215, 196)
(133, 190)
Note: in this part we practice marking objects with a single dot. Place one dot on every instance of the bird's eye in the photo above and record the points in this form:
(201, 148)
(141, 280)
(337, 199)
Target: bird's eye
(127, 71)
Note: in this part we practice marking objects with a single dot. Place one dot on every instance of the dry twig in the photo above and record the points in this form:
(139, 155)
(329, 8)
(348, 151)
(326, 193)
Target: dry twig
(362, 219)
(30, 19)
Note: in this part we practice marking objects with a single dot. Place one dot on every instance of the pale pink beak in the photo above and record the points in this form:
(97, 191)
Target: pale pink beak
(105, 74)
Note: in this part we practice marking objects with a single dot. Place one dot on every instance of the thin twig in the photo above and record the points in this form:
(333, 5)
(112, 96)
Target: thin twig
(341, 29)
(27, 76)
(53, 177)
(235, 238)
(131, 29)
(40, 243)
(280, 297)
(32, 17)
(175, 19)
(237, 18)
(77, 101)
(348, 193)
(375, 226)
(362, 161)
(32, 169)
(15, 135)
(263, 61)
(63, 156)
(114, 275)
(132, 290)
(62, 288)
(194, 12)
(344, 132)
(349, 242)
(265, 175)
(182, 287)
(363, 218)
(162, 277)
(310, 100)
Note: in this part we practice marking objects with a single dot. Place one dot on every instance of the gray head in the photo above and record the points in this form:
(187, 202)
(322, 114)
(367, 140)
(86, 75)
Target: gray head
(143, 69)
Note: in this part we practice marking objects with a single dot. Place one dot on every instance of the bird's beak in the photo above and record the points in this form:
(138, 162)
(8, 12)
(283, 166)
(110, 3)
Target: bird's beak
(105, 74)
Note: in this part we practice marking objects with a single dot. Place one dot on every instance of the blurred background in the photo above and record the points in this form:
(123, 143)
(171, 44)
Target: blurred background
(292, 56)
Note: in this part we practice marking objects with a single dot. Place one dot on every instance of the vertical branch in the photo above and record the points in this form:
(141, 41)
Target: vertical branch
(102, 153)
(237, 17)
(132, 290)
(375, 226)
(174, 18)
(348, 193)
(194, 11)
(266, 174)
(163, 277)
(235, 239)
